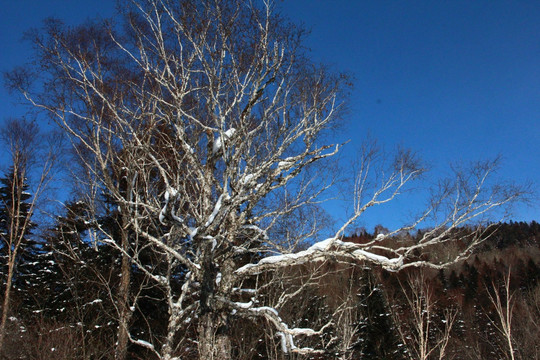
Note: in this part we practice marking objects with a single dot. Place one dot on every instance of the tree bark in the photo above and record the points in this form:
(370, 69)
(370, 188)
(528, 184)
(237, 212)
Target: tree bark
(123, 303)
(214, 339)
(6, 302)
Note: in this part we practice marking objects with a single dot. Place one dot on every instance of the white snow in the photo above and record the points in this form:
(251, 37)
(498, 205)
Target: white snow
(321, 247)
(290, 338)
(379, 259)
(266, 308)
(286, 162)
(162, 215)
(161, 279)
(96, 301)
(245, 291)
(284, 347)
(247, 178)
(146, 344)
(229, 133)
(216, 210)
(218, 143)
(170, 192)
(177, 218)
(192, 232)
(185, 285)
(189, 148)
(218, 278)
(242, 305)
(257, 229)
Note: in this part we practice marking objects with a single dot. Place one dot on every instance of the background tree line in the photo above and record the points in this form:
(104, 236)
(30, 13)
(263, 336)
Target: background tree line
(67, 287)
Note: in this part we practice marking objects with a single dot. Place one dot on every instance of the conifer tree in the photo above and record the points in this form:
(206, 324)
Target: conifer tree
(19, 247)
(14, 206)
(75, 282)
(15, 230)
(377, 334)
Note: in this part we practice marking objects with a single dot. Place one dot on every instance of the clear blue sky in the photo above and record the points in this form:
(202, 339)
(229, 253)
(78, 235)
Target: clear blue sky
(453, 80)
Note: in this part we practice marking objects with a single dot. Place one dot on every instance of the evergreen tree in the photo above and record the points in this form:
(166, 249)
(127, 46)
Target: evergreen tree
(67, 279)
(471, 283)
(16, 229)
(80, 274)
(377, 334)
(17, 244)
(14, 209)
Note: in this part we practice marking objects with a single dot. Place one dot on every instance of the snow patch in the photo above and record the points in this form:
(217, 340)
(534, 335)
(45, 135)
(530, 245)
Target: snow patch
(247, 178)
(262, 232)
(321, 247)
(284, 346)
(242, 305)
(217, 207)
(146, 344)
(218, 143)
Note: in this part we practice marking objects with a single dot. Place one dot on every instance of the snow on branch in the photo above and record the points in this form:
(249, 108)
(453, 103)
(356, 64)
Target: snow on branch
(320, 251)
(218, 143)
(287, 334)
(146, 345)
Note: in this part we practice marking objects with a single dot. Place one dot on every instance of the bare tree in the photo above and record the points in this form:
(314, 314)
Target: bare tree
(527, 330)
(504, 310)
(17, 205)
(204, 121)
(418, 331)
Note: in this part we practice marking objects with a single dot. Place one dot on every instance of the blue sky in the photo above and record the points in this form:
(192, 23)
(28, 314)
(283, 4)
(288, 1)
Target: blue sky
(453, 80)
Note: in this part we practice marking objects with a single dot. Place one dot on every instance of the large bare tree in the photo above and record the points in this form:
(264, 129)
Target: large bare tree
(205, 122)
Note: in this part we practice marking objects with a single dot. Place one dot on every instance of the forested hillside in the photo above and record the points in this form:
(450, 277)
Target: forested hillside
(65, 303)
(473, 309)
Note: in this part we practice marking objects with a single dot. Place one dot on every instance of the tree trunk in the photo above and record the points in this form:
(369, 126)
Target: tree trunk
(7, 296)
(214, 339)
(123, 303)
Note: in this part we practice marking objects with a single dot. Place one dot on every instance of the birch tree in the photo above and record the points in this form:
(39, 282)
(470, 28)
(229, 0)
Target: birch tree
(423, 336)
(504, 310)
(17, 206)
(204, 121)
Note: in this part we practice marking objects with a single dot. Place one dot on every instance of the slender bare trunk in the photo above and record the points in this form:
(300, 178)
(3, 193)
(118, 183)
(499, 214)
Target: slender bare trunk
(504, 308)
(5, 307)
(123, 303)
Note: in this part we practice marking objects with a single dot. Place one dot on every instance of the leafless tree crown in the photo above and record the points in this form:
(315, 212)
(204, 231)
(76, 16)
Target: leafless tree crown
(200, 119)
